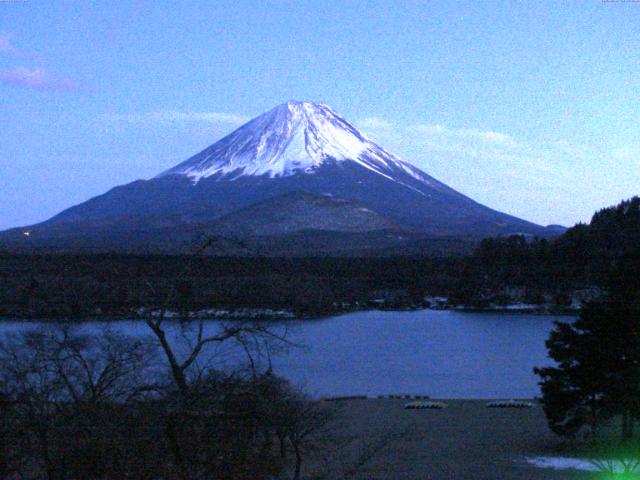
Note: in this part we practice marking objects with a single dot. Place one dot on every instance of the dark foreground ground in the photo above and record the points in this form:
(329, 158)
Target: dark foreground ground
(380, 440)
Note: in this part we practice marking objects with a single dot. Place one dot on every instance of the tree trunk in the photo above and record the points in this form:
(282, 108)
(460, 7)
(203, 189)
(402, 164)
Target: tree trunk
(296, 449)
(174, 444)
(43, 440)
(627, 427)
(176, 370)
(594, 417)
(283, 446)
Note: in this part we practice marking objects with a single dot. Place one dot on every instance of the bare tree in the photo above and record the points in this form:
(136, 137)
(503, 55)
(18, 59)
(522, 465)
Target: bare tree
(29, 377)
(247, 334)
(244, 333)
(103, 367)
(306, 429)
(63, 384)
(207, 401)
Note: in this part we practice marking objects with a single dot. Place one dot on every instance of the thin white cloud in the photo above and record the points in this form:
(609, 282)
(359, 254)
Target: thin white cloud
(37, 79)
(626, 152)
(428, 129)
(211, 117)
(469, 133)
(176, 117)
(29, 77)
(487, 136)
(374, 122)
(9, 47)
(6, 43)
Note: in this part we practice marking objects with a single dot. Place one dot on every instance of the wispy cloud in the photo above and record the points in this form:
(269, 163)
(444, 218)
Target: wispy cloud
(6, 43)
(9, 47)
(29, 77)
(487, 136)
(423, 143)
(37, 79)
(177, 117)
(374, 122)
(205, 126)
(379, 123)
(627, 152)
(494, 167)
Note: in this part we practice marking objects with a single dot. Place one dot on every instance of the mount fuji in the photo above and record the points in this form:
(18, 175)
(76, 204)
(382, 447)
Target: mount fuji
(297, 179)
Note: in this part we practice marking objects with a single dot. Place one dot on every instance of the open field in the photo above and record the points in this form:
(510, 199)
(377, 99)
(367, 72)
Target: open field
(464, 441)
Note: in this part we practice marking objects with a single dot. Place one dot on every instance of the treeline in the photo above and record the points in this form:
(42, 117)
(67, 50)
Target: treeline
(549, 270)
(499, 271)
(34, 286)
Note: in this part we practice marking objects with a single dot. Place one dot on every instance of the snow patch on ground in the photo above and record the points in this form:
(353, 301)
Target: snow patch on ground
(562, 463)
(570, 463)
(520, 306)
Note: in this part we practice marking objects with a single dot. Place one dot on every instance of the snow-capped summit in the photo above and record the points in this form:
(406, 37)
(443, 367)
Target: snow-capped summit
(294, 137)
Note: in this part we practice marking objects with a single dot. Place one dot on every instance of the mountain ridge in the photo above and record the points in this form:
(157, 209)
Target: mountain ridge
(294, 147)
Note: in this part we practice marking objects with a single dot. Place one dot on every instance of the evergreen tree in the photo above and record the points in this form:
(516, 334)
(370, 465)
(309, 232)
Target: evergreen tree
(597, 376)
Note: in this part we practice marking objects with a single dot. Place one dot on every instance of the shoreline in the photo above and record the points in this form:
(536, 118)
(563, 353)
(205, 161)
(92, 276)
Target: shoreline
(282, 314)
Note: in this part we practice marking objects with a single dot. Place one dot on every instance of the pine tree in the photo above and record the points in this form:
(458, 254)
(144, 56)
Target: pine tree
(597, 376)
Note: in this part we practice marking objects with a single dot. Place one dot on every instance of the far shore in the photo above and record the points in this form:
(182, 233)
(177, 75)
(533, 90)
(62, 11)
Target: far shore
(284, 314)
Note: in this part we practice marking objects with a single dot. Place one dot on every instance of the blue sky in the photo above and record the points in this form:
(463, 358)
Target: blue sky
(528, 107)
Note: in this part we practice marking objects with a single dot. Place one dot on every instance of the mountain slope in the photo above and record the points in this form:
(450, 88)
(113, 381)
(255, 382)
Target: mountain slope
(300, 211)
(295, 147)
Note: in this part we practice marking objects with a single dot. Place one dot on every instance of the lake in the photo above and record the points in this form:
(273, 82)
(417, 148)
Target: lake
(444, 354)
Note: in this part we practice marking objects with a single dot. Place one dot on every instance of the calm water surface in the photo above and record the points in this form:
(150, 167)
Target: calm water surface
(444, 354)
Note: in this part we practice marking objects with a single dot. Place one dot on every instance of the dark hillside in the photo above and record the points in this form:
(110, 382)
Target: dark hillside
(585, 256)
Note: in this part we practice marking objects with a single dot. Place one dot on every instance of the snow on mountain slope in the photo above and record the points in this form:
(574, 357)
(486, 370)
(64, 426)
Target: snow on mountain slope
(295, 137)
